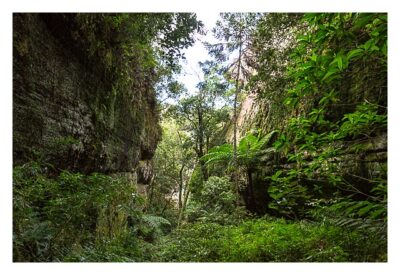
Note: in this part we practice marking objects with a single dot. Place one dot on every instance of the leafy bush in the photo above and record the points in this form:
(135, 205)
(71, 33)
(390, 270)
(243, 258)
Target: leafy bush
(125, 248)
(266, 240)
(196, 242)
(53, 214)
(216, 203)
(217, 194)
(366, 216)
(151, 227)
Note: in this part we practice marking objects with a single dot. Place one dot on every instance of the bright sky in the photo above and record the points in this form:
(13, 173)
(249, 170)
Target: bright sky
(190, 68)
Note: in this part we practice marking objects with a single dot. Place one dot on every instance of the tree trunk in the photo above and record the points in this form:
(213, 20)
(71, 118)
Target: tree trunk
(180, 187)
(150, 194)
(182, 210)
(200, 152)
(252, 201)
(235, 164)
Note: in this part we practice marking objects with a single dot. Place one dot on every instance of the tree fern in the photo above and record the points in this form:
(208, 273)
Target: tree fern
(155, 222)
(219, 154)
(250, 149)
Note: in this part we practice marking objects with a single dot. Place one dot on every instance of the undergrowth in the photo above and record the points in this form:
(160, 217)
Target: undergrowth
(270, 240)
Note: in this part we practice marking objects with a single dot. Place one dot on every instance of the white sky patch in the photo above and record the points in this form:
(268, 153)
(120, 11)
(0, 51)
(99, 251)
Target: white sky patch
(191, 72)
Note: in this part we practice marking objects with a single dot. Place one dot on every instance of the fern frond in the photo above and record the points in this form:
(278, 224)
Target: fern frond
(155, 222)
(221, 153)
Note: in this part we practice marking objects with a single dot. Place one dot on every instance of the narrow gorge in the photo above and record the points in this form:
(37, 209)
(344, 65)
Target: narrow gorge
(278, 154)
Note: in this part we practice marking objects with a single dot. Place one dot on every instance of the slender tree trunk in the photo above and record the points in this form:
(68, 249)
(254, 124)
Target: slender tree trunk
(237, 84)
(180, 187)
(180, 176)
(182, 210)
(252, 201)
(200, 153)
(149, 200)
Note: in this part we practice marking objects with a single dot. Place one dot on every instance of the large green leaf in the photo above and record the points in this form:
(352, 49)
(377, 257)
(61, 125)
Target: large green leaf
(329, 74)
(354, 53)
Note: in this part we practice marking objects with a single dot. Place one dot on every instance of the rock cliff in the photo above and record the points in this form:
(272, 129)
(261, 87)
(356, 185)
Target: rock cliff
(70, 107)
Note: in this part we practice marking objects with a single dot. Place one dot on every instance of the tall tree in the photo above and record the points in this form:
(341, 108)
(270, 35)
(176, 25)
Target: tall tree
(173, 165)
(234, 30)
(203, 115)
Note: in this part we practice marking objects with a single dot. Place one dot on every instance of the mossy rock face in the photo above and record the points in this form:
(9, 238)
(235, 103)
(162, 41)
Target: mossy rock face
(71, 110)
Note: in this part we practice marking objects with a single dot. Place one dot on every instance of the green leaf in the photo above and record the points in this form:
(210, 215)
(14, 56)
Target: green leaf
(375, 214)
(276, 175)
(247, 142)
(329, 73)
(307, 66)
(365, 209)
(340, 62)
(370, 45)
(362, 20)
(303, 38)
(354, 53)
(314, 58)
(290, 101)
(276, 196)
(384, 49)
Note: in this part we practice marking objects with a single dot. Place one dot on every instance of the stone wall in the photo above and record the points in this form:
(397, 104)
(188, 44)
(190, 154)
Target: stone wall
(68, 111)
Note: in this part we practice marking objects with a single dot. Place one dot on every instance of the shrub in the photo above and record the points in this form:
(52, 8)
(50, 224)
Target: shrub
(264, 240)
(197, 242)
(216, 203)
(54, 214)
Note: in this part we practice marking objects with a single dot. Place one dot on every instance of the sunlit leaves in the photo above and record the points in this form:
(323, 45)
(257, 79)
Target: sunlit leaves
(354, 53)
(363, 122)
(251, 148)
(328, 57)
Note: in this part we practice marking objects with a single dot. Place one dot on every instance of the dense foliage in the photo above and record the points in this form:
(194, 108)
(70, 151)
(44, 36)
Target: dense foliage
(264, 240)
(334, 115)
(307, 182)
(55, 216)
